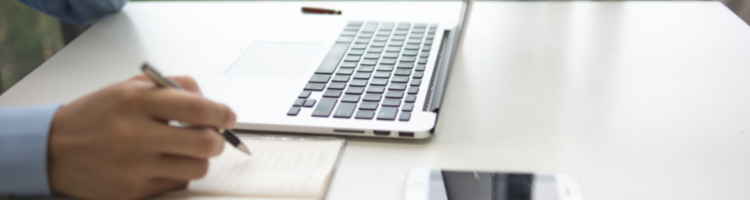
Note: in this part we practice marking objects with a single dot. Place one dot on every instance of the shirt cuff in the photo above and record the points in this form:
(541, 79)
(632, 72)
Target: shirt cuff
(23, 149)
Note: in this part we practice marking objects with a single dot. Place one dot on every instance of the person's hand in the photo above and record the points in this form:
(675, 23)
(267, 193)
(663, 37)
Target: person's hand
(116, 144)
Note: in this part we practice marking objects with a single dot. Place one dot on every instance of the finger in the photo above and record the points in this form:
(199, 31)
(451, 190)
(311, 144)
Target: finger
(187, 107)
(159, 185)
(188, 83)
(200, 143)
(179, 167)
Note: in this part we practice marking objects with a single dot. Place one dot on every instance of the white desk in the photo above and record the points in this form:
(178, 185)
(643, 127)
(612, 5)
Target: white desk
(639, 100)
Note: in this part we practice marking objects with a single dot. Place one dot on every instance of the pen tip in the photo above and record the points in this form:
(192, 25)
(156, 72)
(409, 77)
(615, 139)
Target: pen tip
(244, 149)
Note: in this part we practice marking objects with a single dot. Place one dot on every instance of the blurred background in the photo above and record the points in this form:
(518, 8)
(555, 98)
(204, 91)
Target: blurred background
(29, 37)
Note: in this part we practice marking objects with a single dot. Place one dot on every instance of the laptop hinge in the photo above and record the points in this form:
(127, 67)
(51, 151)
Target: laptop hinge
(441, 72)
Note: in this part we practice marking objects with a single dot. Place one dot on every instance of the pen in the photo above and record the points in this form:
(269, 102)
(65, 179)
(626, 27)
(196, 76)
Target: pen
(163, 81)
(320, 10)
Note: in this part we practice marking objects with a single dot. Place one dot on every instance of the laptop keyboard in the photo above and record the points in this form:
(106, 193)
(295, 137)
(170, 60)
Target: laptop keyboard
(379, 77)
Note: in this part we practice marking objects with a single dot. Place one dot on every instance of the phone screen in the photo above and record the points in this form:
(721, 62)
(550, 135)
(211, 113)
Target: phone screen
(467, 185)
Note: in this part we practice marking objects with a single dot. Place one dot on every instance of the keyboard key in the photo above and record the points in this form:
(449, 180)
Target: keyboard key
(371, 97)
(358, 82)
(418, 74)
(428, 42)
(404, 72)
(384, 33)
(368, 105)
(411, 98)
(372, 56)
(375, 50)
(382, 74)
(394, 94)
(405, 65)
(362, 40)
(379, 81)
(293, 111)
(397, 86)
(375, 89)
(414, 41)
(378, 44)
(332, 58)
(332, 93)
(356, 52)
(418, 37)
(400, 32)
(345, 39)
(304, 94)
(407, 59)
(364, 114)
(381, 38)
(388, 61)
(349, 33)
(412, 46)
(350, 98)
(407, 107)
(345, 110)
(424, 54)
(349, 64)
(354, 23)
(387, 113)
(337, 85)
(426, 48)
(413, 90)
(420, 67)
(410, 52)
(400, 79)
(345, 71)
(359, 46)
(416, 82)
(420, 25)
(352, 58)
(417, 31)
(369, 62)
(387, 26)
(365, 35)
(362, 75)
(299, 102)
(341, 78)
(385, 68)
(403, 26)
(404, 116)
(390, 55)
(325, 107)
(396, 43)
(430, 36)
(393, 49)
(320, 78)
(364, 68)
(355, 90)
(309, 103)
(391, 102)
(315, 86)
(370, 27)
(398, 37)
(422, 61)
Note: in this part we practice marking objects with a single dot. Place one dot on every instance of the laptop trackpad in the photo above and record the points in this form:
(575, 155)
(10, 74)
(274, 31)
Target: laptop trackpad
(274, 59)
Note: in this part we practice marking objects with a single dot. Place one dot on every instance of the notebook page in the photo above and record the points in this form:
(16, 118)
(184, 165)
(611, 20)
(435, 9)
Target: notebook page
(277, 168)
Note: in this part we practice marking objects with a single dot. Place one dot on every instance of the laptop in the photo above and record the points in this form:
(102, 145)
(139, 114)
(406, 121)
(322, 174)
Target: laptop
(339, 76)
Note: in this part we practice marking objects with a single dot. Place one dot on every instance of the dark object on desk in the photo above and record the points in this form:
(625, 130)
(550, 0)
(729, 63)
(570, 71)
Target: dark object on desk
(320, 10)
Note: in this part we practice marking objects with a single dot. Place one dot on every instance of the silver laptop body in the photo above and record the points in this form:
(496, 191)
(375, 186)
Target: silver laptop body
(353, 77)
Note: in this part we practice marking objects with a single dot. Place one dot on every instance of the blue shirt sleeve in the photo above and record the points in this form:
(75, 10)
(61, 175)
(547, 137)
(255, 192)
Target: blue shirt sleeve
(23, 149)
(78, 12)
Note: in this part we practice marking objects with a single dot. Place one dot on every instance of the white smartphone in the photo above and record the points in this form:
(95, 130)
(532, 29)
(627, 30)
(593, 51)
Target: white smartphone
(437, 184)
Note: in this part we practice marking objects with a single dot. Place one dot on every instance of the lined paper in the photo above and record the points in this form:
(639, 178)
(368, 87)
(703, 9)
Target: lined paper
(277, 168)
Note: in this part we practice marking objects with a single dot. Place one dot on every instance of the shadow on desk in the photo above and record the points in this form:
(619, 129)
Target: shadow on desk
(348, 138)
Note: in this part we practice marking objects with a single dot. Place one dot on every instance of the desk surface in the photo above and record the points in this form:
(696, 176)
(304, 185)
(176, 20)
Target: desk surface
(639, 100)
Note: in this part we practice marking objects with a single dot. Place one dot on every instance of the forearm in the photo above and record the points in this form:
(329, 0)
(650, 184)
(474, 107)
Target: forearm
(78, 12)
(23, 149)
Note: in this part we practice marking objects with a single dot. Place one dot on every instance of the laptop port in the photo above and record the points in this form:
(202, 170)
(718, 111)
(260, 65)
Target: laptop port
(381, 133)
(405, 134)
(347, 131)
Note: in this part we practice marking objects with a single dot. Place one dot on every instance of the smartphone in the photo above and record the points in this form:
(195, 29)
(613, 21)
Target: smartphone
(437, 184)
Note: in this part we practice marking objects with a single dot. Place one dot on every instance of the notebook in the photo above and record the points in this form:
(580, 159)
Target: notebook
(280, 168)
